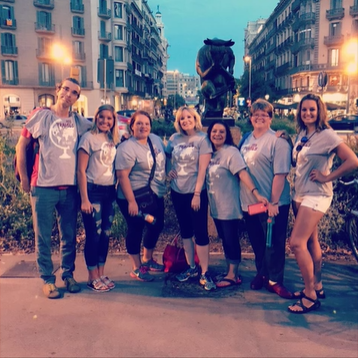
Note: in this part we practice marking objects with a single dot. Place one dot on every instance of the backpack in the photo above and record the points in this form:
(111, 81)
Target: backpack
(31, 152)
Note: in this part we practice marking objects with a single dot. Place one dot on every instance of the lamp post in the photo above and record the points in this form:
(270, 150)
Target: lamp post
(248, 60)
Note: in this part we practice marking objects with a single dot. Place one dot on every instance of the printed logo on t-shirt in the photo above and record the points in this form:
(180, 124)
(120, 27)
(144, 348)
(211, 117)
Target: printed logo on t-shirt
(63, 135)
(212, 172)
(183, 154)
(108, 153)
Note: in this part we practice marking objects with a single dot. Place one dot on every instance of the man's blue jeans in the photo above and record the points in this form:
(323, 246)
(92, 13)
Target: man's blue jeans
(43, 202)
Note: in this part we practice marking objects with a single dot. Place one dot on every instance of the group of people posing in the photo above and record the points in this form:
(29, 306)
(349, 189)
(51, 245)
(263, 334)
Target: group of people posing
(205, 170)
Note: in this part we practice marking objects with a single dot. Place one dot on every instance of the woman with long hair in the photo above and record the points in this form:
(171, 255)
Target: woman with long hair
(312, 157)
(96, 180)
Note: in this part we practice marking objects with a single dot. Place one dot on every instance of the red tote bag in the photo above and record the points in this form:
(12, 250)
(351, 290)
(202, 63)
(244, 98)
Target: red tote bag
(174, 257)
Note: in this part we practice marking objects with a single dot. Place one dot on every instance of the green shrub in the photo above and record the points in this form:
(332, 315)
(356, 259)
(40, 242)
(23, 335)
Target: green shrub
(278, 123)
(163, 129)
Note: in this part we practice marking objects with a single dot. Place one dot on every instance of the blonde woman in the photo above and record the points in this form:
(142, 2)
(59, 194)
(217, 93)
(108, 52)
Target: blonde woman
(189, 151)
(96, 180)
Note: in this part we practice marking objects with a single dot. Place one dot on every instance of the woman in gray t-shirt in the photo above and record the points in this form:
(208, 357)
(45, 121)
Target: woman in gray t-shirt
(225, 168)
(312, 155)
(134, 163)
(189, 152)
(95, 175)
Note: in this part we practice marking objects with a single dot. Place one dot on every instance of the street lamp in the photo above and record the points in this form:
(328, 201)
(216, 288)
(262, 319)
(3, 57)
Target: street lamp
(351, 52)
(248, 60)
(59, 54)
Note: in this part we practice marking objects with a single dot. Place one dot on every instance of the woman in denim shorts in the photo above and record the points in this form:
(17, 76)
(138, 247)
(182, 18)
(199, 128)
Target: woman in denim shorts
(312, 156)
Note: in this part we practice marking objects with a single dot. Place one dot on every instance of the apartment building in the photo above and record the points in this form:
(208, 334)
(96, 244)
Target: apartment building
(43, 41)
(303, 39)
(183, 84)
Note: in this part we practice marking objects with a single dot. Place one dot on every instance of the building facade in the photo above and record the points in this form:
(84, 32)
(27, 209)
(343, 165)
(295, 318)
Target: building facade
(183, 84)
(43, 41)
(303, 40)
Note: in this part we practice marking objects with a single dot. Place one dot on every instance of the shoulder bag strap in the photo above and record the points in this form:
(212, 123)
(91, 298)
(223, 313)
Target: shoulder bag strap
(151, 176)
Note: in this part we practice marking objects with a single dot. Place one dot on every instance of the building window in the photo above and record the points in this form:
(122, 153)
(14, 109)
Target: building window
(118, 10)
(118, 32)
(46, 100)
(8, 40)
(45, 45)
(9, 72)
(78, 22)
(335, 29)
(336, 4)
(82, 75)
(44, 20)
(119, 78)
(118, 54)
(103, 51)
(333, 57)
(46, 74)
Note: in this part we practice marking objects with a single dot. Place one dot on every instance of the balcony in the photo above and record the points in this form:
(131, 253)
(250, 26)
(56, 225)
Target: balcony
(353, 10)
(78, 56)
(303, 20)
(77, 32)
(44, 4)
(44, 28)
(335, 14)
(8, 0)
(270, 48)
(77, 8)
(104, 36)
(272, 32)
(48, 83)
(8, 24)
(104, 13)
(333, 40)
(281, 70)
(296, 5)
(303, 43)
(9, 50)
(270, 64)
(43, 54)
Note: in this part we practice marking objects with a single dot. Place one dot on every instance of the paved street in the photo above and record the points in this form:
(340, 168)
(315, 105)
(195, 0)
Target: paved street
(168, 319)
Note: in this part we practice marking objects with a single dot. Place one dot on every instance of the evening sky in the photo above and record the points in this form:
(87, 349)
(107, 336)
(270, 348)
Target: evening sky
(188, 22)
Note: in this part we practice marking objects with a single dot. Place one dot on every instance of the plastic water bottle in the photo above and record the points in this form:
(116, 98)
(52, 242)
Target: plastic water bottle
(270, 222)
(150, 219)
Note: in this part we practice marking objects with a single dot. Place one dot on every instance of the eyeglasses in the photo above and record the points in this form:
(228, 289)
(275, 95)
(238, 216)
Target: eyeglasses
(67, 89)
(302, 143)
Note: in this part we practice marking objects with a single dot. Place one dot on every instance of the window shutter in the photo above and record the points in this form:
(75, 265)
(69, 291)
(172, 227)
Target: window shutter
(3, 71)
(16, 75)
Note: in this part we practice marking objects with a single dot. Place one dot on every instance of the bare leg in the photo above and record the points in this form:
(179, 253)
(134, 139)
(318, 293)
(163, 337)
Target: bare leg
(305, 223)
(147, 254)
(233, 272)
(93, 274)
(136, 262)
(188, 244)
(203, 254)
(316, 253)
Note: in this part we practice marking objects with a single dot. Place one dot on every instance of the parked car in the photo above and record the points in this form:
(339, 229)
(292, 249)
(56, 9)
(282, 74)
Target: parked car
(16, 120)
(345, 123)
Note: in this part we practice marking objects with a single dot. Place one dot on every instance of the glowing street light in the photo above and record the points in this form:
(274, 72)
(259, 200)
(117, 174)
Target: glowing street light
(60, 55)
(248, 60)
(350, 51)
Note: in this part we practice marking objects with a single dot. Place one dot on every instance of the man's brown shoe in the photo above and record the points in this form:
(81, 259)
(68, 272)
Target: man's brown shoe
(279, 289)
(51, 291)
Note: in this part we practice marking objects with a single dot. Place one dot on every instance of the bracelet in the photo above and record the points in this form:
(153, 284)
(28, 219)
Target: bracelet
(196, 194)
(274, 204)
(252, 191)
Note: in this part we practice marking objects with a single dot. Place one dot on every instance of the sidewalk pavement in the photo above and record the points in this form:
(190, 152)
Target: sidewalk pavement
(169, 319)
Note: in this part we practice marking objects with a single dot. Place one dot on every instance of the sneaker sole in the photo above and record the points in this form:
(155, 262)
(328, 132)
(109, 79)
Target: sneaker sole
(140, 279)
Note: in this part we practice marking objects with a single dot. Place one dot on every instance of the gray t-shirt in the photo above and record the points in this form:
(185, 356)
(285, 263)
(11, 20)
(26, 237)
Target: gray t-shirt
(318, 154)
(223, 183)
(137, 156)
(58, 139)
(265, 157)
(102, 152)
(185, 152)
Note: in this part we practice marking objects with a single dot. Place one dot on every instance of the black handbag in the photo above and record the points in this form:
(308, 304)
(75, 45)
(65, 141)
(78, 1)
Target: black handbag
(145, 197)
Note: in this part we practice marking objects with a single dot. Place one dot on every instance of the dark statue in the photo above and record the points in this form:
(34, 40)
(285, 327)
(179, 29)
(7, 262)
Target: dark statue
(215, 66)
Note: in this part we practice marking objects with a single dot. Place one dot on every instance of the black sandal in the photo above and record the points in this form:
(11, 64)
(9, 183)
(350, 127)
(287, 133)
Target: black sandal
(316, 305)
(320, 294)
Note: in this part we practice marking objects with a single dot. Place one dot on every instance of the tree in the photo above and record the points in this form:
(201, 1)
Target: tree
(175, 101)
